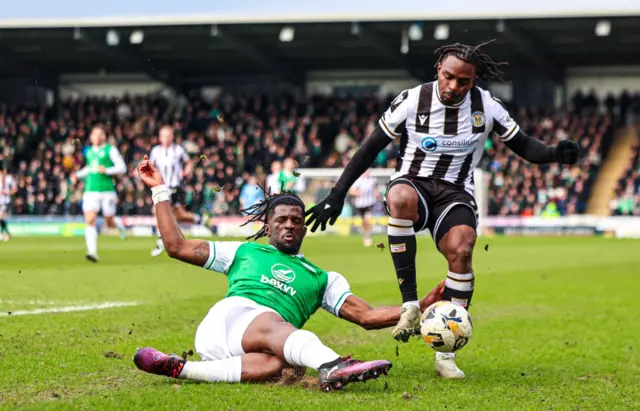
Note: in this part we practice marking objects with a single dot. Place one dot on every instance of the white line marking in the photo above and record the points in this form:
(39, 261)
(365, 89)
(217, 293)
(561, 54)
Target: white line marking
(33, 302)
(101, 306)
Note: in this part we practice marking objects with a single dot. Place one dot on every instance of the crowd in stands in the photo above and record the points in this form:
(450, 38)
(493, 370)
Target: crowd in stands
(520, 188)
(627, 197)
(237, 141)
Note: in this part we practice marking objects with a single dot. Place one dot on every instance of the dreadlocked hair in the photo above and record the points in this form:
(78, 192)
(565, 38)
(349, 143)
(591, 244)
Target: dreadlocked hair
(260, 211)
(486, 68)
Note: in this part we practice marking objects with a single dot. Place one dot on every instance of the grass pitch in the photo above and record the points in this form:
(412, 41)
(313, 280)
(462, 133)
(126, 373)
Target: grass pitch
(556, 327)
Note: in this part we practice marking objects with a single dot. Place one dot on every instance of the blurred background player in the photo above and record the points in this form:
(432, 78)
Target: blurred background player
(289, 180)
(103, 161)
(174, 164)
(273, 179)
(365, 192)
(8, 188)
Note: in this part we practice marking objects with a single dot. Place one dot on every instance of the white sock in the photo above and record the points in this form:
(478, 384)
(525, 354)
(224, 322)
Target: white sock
(305, 348)
(411, 304)
(445, 355)
(159, 243)
(227, 370)
(91, 238)
(118, 222)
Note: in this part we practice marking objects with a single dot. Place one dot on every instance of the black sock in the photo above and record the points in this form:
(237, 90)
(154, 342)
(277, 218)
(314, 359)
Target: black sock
(458, 288)
(3, 226)
(402, 244)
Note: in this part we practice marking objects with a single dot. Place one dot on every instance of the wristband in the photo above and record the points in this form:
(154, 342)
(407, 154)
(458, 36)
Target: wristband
(159, 193)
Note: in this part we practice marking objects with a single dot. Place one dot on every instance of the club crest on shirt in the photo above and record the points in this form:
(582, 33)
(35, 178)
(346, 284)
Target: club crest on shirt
(478, 118)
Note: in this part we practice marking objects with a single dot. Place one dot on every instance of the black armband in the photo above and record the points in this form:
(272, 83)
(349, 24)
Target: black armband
(531, 149)
(362, 159)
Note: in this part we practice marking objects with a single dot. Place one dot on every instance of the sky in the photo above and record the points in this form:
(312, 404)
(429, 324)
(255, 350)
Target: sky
(76, 9)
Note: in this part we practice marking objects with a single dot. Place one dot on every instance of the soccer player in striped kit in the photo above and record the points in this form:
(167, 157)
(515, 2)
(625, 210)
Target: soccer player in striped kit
(174, 164)
(8, 188)
(442, 127)
(365, 192)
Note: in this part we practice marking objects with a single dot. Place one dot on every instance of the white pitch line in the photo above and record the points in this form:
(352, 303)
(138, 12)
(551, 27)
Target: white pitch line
(33, 302)
(101, 306)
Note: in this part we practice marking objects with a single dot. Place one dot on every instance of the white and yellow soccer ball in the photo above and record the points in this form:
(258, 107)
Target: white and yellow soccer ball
(446, 327)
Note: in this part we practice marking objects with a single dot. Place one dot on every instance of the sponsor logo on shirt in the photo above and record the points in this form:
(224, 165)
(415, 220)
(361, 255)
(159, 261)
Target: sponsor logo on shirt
(282, 275)
(429, 144)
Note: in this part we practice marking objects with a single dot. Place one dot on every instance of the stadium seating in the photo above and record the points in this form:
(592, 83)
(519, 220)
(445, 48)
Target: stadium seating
(520, 188)
(627, 198)
(249, 133)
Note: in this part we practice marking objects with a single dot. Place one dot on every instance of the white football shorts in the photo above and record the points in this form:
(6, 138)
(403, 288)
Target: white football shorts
(219, 335)
(95, 201)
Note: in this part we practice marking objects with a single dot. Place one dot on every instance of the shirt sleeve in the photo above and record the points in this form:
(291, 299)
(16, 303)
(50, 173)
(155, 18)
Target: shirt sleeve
(83, 172)
(118, 167)
(337, 291)
(183, 154)
(503, 125)
(394, 119)
(152, 156)
(221, 255)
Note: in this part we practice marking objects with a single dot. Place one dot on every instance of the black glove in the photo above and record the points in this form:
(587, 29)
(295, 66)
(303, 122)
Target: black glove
(566, 152)
(328, 209)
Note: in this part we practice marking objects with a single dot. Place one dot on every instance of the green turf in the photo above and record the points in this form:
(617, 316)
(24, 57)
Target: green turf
(554, 328)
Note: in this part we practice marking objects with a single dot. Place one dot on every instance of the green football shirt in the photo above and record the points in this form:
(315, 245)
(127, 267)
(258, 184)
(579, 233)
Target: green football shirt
(105, 156)
(289, 284)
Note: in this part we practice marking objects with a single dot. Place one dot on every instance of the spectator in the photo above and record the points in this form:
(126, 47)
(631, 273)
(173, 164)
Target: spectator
(251, 193)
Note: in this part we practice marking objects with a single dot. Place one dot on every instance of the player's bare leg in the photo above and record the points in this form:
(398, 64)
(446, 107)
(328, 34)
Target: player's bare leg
(270, 344)
(182, 215)
(269, 333)
(366, 229)
(4, 229)
(252, 367)
(114, 222)
(457, 247)
(402, 201)
(91, 235)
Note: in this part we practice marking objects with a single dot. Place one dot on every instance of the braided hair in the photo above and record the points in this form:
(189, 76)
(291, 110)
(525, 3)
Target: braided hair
(261, 210)
(486, 68)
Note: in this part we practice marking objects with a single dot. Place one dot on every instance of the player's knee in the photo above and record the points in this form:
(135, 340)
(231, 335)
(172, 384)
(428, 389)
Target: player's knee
(273, 367)
(402, 201)
(459, 245)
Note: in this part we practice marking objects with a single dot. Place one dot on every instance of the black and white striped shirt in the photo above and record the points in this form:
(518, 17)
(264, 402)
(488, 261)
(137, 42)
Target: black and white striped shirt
(6, 184)
(441, 141)
(170, 161)
(366, 196)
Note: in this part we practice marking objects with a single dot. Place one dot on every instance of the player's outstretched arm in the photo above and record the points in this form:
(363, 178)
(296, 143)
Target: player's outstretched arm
(537, 152)
(194, 252)
(358, 311)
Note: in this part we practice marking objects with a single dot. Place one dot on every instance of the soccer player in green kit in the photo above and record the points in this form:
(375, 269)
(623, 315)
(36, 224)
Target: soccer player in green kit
(103, 163)
(254, 333)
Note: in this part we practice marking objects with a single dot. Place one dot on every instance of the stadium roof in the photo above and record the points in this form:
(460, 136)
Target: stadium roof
(79, 13)
(211, 54)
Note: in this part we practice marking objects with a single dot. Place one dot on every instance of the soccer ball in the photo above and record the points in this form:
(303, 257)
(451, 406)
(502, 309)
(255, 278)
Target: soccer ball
(446, 327)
